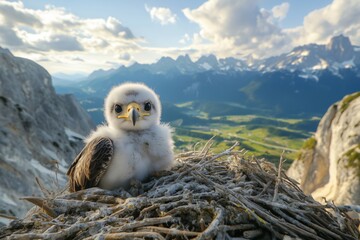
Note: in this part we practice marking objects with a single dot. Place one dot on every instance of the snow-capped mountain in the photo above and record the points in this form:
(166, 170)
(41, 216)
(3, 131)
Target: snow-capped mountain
(208, 62)
(286, 85)
(339, 53)
(184, 64)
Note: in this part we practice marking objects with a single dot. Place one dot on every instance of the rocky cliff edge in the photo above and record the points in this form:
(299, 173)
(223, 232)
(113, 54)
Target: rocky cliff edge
(329, 163)
(40, 132)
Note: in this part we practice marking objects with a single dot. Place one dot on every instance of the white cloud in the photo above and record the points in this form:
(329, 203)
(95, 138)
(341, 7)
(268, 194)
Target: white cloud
(57, 42)
(185, 39)
(33, 33)
(238, 28)
(125, 56)
(14, 13)
(339, 17)
(9, 37)
(280, 11)
(62, 40)
(162, 15)
(77, 59)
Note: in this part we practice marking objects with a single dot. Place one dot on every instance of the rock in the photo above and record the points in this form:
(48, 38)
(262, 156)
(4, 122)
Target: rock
(340, 48)
(330, 167)
(37, 129)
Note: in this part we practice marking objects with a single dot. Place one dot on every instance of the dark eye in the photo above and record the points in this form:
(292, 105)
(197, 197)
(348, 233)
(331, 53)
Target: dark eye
(147, 106)
(117, 108)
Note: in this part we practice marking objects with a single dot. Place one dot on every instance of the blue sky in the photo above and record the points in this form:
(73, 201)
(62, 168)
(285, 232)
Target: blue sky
(134, 15)
(82, 36)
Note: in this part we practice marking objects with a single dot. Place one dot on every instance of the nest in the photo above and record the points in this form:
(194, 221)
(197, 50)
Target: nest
(204, 196)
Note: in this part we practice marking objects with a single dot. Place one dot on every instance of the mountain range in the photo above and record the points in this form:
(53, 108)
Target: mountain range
(303, 82)
(337, 54)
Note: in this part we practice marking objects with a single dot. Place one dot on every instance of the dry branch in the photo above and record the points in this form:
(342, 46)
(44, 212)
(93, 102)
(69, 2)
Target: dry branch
(204, 196)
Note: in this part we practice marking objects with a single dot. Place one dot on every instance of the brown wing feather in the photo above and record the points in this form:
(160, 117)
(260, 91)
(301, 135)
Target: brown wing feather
(90, 164)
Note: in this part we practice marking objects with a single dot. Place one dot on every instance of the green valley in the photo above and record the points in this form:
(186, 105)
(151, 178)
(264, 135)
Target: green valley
(262, 137)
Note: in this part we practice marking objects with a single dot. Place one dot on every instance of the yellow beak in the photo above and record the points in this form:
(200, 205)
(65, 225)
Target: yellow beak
(133, 113)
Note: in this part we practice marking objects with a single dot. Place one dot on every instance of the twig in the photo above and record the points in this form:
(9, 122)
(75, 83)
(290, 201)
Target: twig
(170, 231)
(133, 235)
(214, 226)
(238, 227)
(251, 234)
(278, 179)
(207, 147)
(7, 216)
(65, 233)
(43, 189)
(146, 222)
(42, 203)
(349, 208)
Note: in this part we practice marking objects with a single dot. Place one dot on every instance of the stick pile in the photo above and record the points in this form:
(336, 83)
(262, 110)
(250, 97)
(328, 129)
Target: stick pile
(205, 196)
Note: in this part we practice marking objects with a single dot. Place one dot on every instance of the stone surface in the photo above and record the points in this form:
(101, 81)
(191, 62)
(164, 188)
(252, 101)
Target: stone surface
(332, 168)
(40, 132)
(340, 48)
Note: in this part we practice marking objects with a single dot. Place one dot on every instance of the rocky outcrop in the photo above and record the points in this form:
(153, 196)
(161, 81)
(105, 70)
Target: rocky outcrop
(340, 49)
(329, 163)
(40, 132)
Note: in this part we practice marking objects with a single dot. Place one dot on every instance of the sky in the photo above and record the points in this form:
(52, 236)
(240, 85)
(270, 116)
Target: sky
(78, 37)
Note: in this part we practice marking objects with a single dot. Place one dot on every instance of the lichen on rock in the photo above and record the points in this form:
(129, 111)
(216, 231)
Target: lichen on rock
(353, 158)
